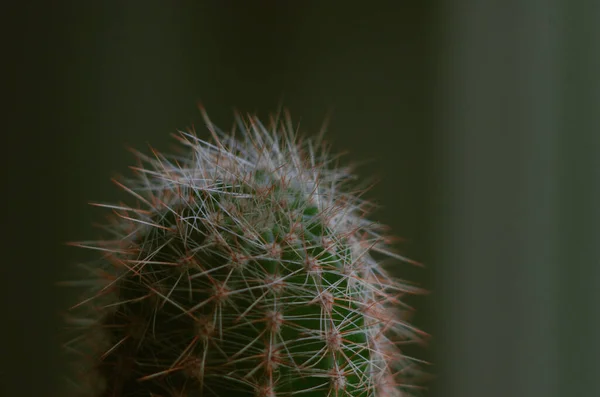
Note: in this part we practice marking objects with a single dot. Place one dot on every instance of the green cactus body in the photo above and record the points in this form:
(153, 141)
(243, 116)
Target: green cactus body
(246, 271)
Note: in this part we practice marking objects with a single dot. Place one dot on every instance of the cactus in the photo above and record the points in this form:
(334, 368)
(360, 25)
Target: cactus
(246, 268)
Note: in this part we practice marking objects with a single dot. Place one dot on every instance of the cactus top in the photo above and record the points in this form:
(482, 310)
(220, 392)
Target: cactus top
(246, 269)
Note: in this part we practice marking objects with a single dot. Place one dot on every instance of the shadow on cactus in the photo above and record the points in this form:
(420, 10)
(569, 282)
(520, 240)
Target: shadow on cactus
(247, 268)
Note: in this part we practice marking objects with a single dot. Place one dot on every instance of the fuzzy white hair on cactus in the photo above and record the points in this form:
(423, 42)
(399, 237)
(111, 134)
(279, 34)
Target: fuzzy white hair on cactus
(246, 267)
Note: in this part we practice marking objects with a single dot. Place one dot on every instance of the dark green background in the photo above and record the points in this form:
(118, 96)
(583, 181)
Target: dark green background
(481, 119)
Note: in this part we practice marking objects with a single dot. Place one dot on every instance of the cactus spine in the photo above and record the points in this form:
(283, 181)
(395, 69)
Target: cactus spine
(247, 268)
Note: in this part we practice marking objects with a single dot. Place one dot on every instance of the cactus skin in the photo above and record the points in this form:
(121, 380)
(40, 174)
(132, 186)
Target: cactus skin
(247, 269)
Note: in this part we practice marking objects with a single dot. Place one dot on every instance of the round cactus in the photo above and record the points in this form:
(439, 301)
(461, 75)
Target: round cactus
(246, 268)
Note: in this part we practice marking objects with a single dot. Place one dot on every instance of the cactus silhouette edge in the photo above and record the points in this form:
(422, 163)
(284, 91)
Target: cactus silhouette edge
(246, 267)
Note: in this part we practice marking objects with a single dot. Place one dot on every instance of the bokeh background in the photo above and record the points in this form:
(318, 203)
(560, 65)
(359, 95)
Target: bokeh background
(481, 120)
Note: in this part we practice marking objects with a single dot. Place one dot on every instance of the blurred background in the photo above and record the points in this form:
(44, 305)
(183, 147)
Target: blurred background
(479, 118)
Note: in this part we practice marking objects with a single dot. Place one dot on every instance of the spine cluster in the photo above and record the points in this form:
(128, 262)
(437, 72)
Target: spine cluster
(248, 268)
